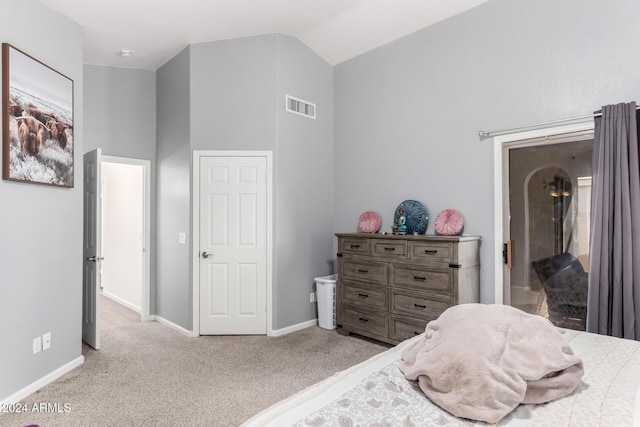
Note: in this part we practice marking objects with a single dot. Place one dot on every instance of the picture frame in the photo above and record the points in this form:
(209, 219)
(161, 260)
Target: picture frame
(37, 121)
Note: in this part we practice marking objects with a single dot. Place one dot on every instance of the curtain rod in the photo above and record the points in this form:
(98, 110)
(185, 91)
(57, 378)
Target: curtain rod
(484, 133)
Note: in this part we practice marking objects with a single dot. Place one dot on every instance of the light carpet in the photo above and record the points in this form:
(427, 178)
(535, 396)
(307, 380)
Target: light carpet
(149, 375)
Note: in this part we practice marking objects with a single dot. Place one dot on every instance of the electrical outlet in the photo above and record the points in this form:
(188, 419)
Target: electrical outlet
(46, 341)
(37, 345)
(312, 297)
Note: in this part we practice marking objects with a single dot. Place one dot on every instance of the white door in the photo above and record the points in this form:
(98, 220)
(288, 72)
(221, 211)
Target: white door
(91, 250)
(232, 245)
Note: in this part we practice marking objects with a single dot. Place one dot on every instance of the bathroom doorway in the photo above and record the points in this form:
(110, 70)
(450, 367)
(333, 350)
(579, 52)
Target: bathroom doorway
(123, 242)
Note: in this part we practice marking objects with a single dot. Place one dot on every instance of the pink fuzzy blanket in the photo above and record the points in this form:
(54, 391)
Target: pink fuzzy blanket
(481, 361)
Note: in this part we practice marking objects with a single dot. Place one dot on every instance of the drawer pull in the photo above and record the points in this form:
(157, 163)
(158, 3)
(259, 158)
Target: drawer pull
(355, 246)
(430, 251)
(363, 319)
(363, 295)
(389, 249)
(419, 306)
(362, 270)
(419, 278)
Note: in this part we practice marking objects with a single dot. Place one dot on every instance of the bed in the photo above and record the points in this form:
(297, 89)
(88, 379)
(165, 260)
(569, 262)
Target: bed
(375, 393)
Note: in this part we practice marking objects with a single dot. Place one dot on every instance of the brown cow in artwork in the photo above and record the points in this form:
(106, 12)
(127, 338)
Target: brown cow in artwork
(58, 131)
(31, 135)
(42, 117)
(15, 109)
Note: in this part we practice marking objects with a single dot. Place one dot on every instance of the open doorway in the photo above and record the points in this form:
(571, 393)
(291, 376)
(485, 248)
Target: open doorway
(123, 242)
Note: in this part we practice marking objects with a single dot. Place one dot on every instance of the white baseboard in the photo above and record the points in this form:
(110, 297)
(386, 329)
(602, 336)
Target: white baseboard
(122, 301)
(272, 333)
(173, 326)
(38, 384)
(292, 328)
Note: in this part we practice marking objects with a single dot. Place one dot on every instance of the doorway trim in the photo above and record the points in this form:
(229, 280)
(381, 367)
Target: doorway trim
(145, 314)
(195, 231)
(501, 145)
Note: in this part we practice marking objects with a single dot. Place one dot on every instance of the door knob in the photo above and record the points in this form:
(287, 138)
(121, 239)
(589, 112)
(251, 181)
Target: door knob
(206, 255)
(95, 258)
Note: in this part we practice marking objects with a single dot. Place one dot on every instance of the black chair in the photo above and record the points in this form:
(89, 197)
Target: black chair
(566, 286)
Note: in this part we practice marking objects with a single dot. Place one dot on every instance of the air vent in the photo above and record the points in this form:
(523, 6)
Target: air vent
(298, 106)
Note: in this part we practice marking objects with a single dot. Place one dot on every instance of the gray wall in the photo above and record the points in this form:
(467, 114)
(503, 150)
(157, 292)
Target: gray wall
(120, 111)
(407, 114)
(233, 84)
(231, 95)
(303, 181)
(173, 155)
(120, 118)
(41, 226)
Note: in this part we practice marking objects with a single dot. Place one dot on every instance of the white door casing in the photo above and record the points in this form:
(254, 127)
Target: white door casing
(233, 244)
(90, 249)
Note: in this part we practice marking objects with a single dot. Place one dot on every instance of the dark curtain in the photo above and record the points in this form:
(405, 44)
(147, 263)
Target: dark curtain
(614, 265)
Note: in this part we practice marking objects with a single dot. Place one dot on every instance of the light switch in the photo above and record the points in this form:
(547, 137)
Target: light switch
(182, 238)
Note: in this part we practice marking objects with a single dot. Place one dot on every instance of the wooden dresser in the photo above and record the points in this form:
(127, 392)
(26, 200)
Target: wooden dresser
(390, 286)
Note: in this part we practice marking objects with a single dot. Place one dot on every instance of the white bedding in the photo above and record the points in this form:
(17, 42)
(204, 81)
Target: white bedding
(376, 393)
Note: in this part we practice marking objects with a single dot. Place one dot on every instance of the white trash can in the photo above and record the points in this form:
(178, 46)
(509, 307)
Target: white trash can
(326, 292)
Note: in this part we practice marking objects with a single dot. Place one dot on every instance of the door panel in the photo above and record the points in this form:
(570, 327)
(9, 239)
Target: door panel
(91, 250)
(218, 280)
(247, 221)
(248, 289)
(233, 225)
(218, 220)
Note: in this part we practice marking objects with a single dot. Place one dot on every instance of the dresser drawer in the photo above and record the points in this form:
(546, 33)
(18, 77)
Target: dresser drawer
(390, 249)
(363, 295)
(421, 305)
(431, 279)
(371, 272)
(355, 245)
(431, 252)
(365, 323)
(401, 329)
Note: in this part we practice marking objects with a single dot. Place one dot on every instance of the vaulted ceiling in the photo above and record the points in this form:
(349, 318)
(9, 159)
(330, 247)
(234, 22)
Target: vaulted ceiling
(155, 30)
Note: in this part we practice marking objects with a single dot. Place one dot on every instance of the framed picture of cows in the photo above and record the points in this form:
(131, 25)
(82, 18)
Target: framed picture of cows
(37, 121)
